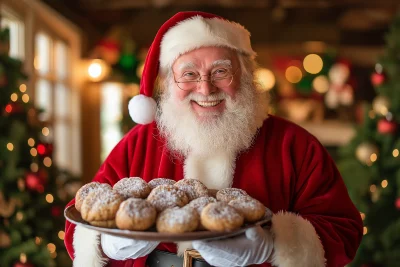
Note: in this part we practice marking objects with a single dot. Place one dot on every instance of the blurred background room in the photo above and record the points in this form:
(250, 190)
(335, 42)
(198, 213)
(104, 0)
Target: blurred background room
(69, 68)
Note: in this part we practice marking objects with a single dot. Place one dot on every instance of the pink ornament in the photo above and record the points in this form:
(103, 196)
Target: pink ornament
(386, 127)
(377, 78)
(34, 182)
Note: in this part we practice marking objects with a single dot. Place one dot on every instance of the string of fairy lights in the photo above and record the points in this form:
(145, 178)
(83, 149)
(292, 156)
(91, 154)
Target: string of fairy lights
(36, 149)
(368, 153)
(374, 189)
(313, 64)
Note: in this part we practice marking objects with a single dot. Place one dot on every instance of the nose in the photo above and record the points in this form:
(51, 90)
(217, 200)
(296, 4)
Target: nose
(205, 87)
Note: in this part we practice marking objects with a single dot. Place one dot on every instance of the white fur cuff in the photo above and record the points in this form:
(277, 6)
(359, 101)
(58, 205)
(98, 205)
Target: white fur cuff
(296, 242)
(86, 246)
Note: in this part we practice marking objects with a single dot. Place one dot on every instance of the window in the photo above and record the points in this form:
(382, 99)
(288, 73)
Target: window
(11, 20)
(53, 94)
(110, 117)
(49, 46)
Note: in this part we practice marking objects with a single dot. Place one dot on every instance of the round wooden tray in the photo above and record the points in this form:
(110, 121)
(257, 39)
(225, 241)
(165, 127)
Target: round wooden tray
(74, 216)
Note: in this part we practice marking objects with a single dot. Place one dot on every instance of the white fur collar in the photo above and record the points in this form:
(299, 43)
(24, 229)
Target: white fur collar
(215, 171)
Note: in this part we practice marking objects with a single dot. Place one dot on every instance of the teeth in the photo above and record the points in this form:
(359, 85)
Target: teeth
(209, 103)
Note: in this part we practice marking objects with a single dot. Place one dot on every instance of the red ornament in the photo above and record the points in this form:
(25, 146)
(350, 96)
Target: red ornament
(55, 211)
(34, 182)
(13, 108)
(41, 149)
(45, 150)
(8, 108)
(397, 203)
(109, 50)
(386, 127)
(377, 78)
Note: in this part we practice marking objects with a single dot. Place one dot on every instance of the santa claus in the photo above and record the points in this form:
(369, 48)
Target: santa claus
(211, 124)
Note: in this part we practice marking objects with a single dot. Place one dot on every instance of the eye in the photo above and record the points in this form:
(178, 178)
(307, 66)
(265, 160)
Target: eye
(189, 75)
(221, 72)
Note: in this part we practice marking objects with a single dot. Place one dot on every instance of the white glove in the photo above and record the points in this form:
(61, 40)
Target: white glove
(119, 248)
(253, 247)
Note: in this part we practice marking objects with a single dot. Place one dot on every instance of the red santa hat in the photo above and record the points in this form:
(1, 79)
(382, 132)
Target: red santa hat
(184, 32)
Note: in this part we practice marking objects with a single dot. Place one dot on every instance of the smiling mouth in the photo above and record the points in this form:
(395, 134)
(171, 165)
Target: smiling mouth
(206, 104)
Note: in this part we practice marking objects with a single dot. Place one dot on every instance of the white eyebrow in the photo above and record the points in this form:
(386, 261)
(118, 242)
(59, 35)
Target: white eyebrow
(224, 62)
(186, 65)
(219, 62)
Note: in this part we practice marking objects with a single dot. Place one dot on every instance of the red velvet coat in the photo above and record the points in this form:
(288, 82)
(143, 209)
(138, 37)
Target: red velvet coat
(286, 169)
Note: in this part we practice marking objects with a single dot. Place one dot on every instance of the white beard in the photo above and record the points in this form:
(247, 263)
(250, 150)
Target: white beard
(232, 131)
(211, 144)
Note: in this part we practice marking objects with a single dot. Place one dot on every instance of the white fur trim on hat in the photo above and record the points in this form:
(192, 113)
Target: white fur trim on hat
(142, 109)
(296, 243)
(199, 32)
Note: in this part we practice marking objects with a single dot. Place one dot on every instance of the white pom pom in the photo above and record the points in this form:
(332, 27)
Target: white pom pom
(142, 109)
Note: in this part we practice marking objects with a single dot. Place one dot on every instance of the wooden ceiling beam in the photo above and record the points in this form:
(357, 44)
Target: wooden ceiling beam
(115, 4)
(129, 4)
(338, 3)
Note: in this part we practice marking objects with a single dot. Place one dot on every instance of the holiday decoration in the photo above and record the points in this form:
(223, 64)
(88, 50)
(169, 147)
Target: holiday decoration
(118, 51)
(25, 180)
(109, 50)
(338, 74)
(375, 194)
(45, 149)
(13, 108)
(370, 164)
(364, 152)
(381, 105)
(386, 127)
(377, 78)
(397, 203)
(339, 93)
(34, 182)
(321, 84)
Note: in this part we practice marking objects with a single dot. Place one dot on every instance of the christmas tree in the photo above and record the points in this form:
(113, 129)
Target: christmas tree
(370, 163)
(31, 187)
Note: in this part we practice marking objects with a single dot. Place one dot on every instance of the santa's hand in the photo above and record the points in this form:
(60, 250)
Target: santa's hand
(253, 247)
(119, 248)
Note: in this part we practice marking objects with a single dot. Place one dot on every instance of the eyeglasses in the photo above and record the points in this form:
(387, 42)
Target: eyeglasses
(190, 80)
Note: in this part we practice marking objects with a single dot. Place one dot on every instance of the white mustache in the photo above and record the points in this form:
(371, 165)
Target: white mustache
(202, 98)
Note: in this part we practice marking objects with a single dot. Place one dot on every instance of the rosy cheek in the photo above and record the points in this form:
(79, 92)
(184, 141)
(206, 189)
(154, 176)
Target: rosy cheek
(231, 91)
(180, 94)
(233, 88)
